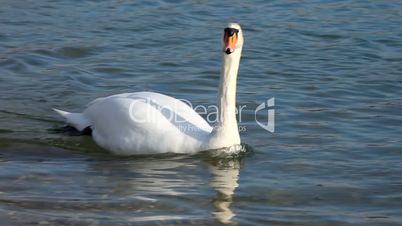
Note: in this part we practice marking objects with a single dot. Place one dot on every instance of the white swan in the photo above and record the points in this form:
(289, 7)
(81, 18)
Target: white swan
(150, 123)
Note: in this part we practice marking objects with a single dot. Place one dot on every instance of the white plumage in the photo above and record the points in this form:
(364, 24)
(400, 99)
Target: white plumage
(149, 123)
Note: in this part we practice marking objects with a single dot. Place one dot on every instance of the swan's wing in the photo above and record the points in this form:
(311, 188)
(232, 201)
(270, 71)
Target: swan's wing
(183, 111)
(165, 103)
(132, 123)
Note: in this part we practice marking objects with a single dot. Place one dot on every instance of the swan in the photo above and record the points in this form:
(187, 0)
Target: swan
(152, 123)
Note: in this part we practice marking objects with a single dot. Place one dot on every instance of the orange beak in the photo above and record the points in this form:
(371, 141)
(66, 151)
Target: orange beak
(230, 43)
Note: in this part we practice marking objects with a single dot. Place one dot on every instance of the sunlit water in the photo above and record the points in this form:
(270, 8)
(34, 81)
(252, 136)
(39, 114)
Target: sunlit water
(333, 67)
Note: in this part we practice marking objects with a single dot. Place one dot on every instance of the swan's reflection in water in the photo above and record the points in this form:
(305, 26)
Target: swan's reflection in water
(171, 185)
(224, 177)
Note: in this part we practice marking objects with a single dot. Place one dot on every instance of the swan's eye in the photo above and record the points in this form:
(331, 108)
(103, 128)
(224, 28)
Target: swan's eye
(230, 40)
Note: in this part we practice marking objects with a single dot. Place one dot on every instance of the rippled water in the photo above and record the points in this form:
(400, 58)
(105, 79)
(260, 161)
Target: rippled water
(334, 68)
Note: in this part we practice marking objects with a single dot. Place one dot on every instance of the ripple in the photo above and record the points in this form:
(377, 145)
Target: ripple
(333, 67)
(75, 52)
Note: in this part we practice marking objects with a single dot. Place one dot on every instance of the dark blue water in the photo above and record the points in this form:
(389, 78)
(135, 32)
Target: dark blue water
(333, 67)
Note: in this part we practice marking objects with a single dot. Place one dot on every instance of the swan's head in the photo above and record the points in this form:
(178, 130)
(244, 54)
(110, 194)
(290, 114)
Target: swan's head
(232, 38)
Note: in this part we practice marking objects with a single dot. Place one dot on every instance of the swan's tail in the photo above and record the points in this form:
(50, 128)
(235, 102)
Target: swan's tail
(76, 120)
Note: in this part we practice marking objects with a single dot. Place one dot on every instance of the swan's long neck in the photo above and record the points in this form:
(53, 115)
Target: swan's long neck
(226, 132)
(227, 90)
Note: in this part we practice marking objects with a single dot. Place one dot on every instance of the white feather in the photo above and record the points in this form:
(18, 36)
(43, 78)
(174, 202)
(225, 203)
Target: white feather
(146, 122)
(76, 120)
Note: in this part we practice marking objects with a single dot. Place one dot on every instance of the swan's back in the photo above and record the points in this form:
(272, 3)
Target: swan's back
(146, 122)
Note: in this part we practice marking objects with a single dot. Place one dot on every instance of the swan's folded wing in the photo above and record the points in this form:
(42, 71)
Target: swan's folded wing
(174, 108)
(129, 124)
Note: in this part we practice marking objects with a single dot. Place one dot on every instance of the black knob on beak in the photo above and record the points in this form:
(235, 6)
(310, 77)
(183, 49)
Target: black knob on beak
(230, 31)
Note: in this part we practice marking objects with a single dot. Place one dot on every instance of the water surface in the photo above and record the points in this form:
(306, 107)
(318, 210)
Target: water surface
(333, 67)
